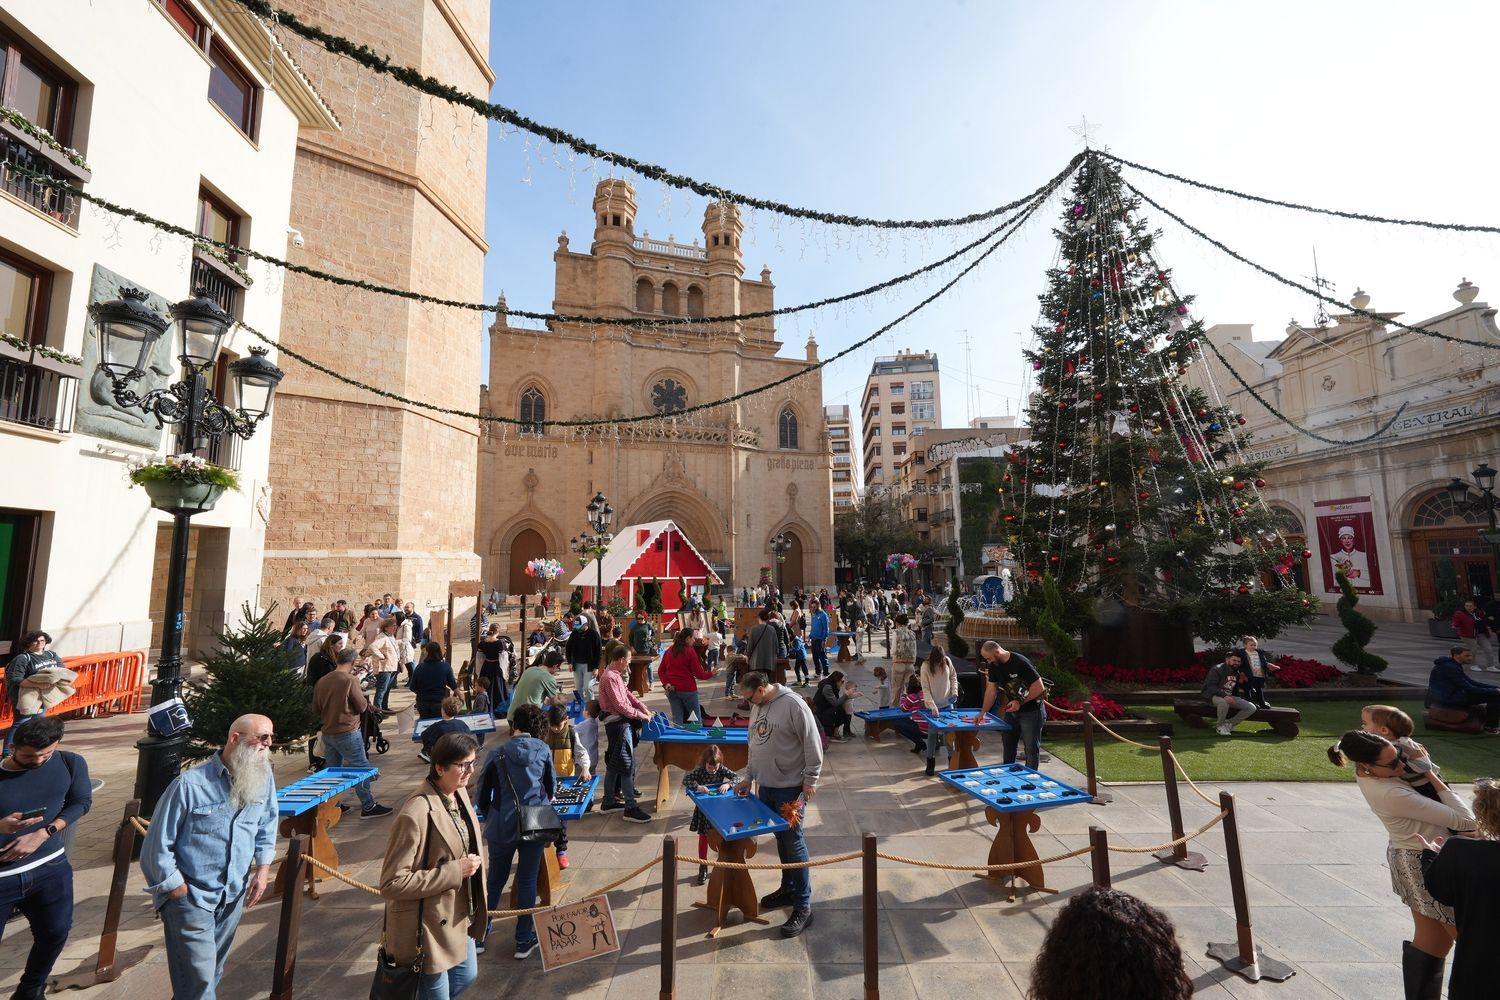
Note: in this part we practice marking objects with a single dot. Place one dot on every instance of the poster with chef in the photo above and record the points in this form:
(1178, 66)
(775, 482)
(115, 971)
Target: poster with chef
(1346, 538)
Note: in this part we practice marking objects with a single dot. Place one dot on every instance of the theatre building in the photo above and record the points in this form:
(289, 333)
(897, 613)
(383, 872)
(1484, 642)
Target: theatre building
(1379, 507)
(732, 477)
(188, 111)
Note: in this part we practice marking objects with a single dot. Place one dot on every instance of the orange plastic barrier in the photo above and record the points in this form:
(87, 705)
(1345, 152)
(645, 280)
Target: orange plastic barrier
(107, 683)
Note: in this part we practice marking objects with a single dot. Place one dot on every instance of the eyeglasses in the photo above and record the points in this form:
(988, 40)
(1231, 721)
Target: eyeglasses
(466, 766)
(266, 738)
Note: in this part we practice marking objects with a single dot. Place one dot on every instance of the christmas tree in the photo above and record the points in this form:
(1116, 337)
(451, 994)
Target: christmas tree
(1133, 490)
(249, 674)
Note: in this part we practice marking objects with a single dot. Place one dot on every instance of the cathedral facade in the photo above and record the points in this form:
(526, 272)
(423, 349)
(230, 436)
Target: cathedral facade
(733, 477)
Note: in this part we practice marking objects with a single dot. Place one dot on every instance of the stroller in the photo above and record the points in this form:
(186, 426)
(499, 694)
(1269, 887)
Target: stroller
(369, 728)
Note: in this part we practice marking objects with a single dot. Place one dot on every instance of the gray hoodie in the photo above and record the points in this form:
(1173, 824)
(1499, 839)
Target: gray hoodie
(786, 749)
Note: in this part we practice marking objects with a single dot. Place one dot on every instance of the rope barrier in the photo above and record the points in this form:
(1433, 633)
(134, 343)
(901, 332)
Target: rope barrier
(768, 866)
(1122, 739)
(1064, 711)
(1011, 866)
(1191, 784)
(140, 824)
(1172, 843)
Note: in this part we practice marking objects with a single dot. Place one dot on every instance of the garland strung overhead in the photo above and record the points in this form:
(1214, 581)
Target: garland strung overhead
(1000, 241)
(416, 80)
(1458, 227)
(226, 252)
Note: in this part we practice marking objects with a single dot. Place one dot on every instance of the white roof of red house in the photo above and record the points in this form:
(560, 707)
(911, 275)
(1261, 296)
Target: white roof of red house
(630, 544)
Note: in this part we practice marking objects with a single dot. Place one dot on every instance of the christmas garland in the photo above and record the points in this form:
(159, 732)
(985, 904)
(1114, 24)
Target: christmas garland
(1360, 216)
(42, 136)
(1354, 310)
(811, 367)
(372, 60)
(222, 252)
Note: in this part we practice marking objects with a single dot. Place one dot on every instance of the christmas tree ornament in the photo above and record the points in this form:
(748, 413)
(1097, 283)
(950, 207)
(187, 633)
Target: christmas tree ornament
(1260, 484)
(1227, 481)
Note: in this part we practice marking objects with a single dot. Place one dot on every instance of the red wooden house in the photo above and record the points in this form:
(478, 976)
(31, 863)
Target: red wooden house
(644, 553)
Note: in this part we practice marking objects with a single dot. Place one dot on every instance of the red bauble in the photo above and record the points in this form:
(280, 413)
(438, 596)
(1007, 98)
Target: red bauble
(1054, 558)
(1307, 553)
(1134, 408)
(1241, 421)
(1098, 546)
(1098, 396)
(1238, 512)
(1144, 495)
(1061, 327)
(1238, 539)
(1202, 413)
(1244, 589)
(1260, 484)
(1109, 559)
(1239, 484)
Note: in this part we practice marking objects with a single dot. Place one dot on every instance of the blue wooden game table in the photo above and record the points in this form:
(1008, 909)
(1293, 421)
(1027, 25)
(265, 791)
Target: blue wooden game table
(309, 807)
(682, 747)
(878, 720)
(734, 822)
(478, 722)
(549, 884)
(845, 641)
(963, 726)
(1013, 794)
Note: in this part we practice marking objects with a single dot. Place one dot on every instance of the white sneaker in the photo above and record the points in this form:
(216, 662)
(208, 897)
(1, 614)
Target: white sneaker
(1222, 730)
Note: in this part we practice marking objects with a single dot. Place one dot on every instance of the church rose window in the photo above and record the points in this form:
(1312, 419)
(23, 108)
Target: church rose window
(669, 396)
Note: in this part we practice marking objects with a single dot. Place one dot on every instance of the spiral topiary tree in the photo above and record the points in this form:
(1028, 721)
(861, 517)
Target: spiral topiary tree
(1360, 629)
(1062, 648)
(957, 644)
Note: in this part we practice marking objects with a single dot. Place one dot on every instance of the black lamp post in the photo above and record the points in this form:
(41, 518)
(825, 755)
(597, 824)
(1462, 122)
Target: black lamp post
(1486, 503)
(128, 330)
(779, 545)
(594, 542)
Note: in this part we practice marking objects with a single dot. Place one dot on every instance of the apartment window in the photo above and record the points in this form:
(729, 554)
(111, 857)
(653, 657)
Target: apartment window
(873, 414)
(898, 409)
(186, 18)
(921, 389)
(922, 411)
(231, 89)
(36, 88)
(874, 432)
(219, 282)
(898, 388)
(921, 513)
(898, 430)
(25, 294)
(217, 220)
(898, 449)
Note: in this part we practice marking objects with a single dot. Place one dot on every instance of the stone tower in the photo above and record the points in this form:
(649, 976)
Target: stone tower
(370, 495)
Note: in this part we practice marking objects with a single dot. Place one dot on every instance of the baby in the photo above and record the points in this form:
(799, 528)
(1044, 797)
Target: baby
(1396, 726)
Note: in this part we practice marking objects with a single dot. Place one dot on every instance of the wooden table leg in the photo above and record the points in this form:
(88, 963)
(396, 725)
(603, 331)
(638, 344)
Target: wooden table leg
(314, 825)
(964, 745)
(1012, 843)
(549, 883)
(875, 728)
(731, 887)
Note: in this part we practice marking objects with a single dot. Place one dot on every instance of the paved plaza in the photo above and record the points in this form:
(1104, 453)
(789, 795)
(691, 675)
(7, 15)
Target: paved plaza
(1318, 888)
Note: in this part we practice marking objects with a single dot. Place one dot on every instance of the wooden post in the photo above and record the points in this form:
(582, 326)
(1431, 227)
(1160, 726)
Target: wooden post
(1099, 843)
(1178, 855)
(109, 965)
(1099, 798)
(448, 631)
(288, 926)
(520, 644)
(1242, 956)
(870, 905)
(668, 918)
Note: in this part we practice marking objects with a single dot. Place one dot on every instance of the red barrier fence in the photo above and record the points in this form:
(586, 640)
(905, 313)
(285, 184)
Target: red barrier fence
(107, 683)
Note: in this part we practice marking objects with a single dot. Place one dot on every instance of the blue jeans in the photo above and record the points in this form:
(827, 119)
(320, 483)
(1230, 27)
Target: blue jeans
(684, 704)
(45, 896)
(619, 763)
(934, 737)
(791, 846)
(451, 982)
(527, 871)
(10, 735)
(820, 656)
(909, 729)
(800, 665)
(348, 750)
(198, 942)
(1025, 726)
(383, 684)
(581, 673)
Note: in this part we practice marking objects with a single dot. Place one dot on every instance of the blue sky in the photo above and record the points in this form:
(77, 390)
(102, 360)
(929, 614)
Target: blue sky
(942, 108)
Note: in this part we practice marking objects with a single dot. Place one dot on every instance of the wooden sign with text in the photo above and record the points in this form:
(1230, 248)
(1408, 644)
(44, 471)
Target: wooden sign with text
(577, 931)
(465, 588)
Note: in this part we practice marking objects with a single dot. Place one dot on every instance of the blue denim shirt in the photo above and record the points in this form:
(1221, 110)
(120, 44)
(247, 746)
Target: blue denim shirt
(197, 838)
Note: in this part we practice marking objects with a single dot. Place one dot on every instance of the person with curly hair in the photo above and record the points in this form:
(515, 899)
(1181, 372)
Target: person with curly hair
(1466, 876)
(1145, 961)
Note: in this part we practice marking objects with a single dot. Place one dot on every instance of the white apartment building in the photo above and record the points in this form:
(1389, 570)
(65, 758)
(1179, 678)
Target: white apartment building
(902, 399)
(189, 111)
(841, 441)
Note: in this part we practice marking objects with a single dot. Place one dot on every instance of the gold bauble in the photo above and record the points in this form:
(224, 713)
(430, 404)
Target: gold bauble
(1227, 481)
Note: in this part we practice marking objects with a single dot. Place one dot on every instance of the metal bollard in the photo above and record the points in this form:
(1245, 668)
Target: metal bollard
(1242, 956)
(1099, 858)
(1099, 798)
(870, 906)
(289, 926)
(1178, 855)
(668, 918)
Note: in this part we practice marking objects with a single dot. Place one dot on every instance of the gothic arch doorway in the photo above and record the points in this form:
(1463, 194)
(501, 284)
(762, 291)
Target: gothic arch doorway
(793, 575)
(526, 546)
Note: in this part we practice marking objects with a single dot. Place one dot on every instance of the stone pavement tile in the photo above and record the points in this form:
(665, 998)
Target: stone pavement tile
(1210, 979)
(1303, 936)
(644, 982)
(847, 982)
(1352, 979)
(1381, 928)
(1325, 817)
(1016, 937)
(1164, 886)
(757, 982)
(756, 944)
(929, 889)
(1123, 818)
(819, 847)
(942, 936)
(1372, 880)
(1305, 885)
(838, 888)
(837, 936)
(985, 978)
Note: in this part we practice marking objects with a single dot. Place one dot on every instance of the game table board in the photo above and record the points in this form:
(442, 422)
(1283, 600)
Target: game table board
(681, 747)
(1013, 794)
(478, 722)
(309, 807)
(549, 884)
(734, 822)
(878, 720)
(963, 725)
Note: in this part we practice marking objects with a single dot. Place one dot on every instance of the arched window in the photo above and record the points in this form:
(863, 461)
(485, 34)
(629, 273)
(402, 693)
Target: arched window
(669, 299)
(533, 410)
(645, 296)
(695, 302)
(786, 430)
(1438, 511)
(668, 396)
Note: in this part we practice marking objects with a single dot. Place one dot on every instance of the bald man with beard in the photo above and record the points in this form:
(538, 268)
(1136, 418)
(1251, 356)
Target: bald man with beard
(211, 824)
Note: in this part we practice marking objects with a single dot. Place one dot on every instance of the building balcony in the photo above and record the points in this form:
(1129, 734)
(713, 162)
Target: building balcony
(841, 460)
(670, 249)
(20, 152)
(943, 516)
(37, 391)
(223, 451)
(217, 280)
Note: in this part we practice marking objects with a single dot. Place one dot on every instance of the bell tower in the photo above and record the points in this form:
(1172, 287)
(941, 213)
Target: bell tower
(722, 230)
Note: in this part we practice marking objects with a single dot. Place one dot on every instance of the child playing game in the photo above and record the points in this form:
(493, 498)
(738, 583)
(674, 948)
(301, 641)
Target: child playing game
(882, 687)
(710, 773)
(568, 758)
(588, 729)
(913, 727)
(1396, 726)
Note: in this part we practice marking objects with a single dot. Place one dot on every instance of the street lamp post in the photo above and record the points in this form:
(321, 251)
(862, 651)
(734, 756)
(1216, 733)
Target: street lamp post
(779, 545)
(594, 542)
(1486, 502)
(128, 329)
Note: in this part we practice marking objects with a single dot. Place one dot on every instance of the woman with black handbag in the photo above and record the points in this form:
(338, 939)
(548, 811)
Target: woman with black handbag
(515, 798)
(433, 884)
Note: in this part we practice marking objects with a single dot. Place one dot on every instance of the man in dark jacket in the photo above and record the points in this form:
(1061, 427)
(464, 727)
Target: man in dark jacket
(584, 649)
(1449, 685)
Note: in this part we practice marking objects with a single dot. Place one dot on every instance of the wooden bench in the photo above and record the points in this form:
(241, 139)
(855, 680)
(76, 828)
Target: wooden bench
(1194, 711)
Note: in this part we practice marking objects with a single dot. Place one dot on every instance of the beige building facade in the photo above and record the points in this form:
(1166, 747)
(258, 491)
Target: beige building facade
(841, 441)
(1379, 507)
(731, 477)
(902, 400)
(370, 495)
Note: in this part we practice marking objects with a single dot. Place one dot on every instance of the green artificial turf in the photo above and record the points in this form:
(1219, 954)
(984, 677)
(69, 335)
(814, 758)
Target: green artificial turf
(1250, 755)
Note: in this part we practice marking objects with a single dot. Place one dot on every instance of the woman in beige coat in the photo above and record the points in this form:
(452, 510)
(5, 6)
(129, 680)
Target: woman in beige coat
(386, 654)
(434, 872)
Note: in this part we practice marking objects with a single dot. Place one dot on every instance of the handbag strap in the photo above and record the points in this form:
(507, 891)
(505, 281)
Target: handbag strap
(421, 902)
